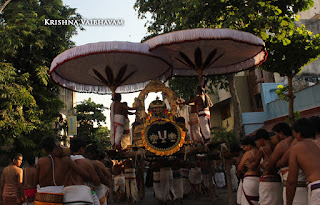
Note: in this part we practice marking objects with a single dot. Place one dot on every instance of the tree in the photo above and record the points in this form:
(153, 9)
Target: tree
(19, 111)
(88, 114)
(288, 58)
(30, 46)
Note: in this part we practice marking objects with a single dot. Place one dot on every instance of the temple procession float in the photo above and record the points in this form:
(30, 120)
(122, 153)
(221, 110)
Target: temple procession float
(125, 67)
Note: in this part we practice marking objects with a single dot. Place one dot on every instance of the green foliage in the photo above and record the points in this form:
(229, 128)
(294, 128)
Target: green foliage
(19, 112)
(88, 114)
(288, 57)
(30, 46)
(227, 137)
(185, 87)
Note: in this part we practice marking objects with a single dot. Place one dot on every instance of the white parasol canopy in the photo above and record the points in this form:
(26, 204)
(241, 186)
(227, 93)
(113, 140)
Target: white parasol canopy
(208, 51)
(97, 67)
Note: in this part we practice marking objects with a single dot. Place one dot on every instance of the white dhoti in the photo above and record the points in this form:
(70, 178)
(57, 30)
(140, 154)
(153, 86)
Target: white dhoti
(101, 192)
(118, 128)
(119, 183)
(220, 179)
(185, 180)
(195, 128)
(195, 175)
(301, 195)
(234, 178)
(178, 184)
(239, 192)
(131, 184)
(250, 190)
(166, 182)
(77, 195)
(314, 193)
(54, 193)
(270, 190)
(204, 119)
(126, 137)
(156, 185)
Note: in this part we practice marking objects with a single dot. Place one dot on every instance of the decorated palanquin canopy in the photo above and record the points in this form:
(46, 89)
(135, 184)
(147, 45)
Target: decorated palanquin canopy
(106, 67)
(206, 51)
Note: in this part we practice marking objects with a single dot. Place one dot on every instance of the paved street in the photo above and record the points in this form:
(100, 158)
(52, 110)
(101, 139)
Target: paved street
(222, 199)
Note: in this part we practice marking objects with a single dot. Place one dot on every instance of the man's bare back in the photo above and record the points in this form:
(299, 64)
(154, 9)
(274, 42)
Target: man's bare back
(28, 177)
(73, 178)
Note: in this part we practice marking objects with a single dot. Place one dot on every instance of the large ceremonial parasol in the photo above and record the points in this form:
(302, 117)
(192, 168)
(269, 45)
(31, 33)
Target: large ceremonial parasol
(206, 51)
(107, 67)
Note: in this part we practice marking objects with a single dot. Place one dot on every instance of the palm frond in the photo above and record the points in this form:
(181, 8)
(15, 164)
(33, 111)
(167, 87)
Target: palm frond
(101, 78)
(187, 60)
(215, 60)
(120, 74)
(109, 74)
(209, 58)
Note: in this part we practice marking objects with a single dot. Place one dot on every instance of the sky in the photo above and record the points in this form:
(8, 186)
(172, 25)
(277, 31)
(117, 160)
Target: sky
(133, 30)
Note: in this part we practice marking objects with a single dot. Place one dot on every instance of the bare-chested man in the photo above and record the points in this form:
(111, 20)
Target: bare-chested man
(51, 173)
(76, 188)
(304, 155)
(103, 173)
(29, 186)
(248, 191)
(118, 114)
(283, 131)
(11, 189)
(202, 103)
(270, 188)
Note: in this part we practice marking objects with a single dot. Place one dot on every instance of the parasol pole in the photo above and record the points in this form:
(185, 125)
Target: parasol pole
(200, 77)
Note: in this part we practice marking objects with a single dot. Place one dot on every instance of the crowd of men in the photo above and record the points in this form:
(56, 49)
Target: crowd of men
(284, 169)
(57, 178)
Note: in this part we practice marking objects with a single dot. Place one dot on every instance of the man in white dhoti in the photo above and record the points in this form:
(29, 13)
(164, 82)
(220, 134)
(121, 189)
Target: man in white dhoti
(279, 159)
(118, 115)
(166, 183)
(249, 186)
(119, 181)
(185, 180)
(177, 180)
(195, 179)
(304, 155)
(76, 189)
(202, 104)
(51, 173)
(131, 183)
(270, 188)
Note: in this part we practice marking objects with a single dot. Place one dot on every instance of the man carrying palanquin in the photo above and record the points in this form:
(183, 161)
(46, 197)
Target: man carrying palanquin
(304, 155)
(270, 188)
(279, 159)
(51, 174)
(118, 115)
(131, 182)
(11, 190)
(76, 188)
